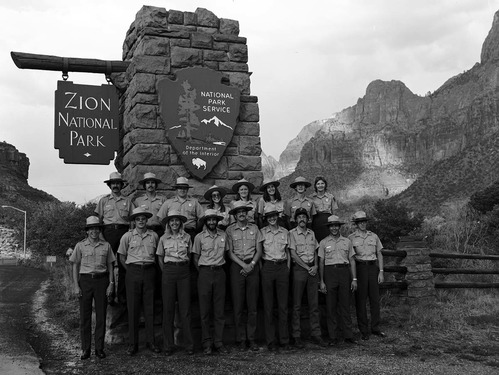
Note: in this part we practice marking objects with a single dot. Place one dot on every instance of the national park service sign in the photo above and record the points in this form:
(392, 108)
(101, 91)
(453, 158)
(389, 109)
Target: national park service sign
(200, 115)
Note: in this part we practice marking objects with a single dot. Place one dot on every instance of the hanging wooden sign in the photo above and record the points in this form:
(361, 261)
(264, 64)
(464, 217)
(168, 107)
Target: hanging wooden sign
(200, 115)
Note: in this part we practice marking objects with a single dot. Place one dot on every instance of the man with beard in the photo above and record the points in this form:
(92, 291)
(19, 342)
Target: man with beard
(303, 247)
(151, 201)
(113, 211)
(209, 258)
(244, 242)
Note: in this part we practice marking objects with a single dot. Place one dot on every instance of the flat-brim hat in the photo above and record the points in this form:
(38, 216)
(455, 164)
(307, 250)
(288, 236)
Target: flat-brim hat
(301, 211)
(93, 222)
(334, 220)
(238, 184)
(210, 212)
(174, 213)
(300, 181)
(139, 211)
(214, 188)
(238, 205)
(115, 177)
(265, 184)
(269, 211)
(182, 183)
(359, 216)
(149, 176)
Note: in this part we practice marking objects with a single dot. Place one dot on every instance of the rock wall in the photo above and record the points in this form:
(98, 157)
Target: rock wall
(158, 44)
(13, 160)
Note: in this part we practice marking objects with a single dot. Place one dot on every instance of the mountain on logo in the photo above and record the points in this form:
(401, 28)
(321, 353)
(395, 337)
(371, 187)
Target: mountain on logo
(215, 121)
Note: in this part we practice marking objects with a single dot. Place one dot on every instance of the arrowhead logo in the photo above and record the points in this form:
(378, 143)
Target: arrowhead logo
(200, 115)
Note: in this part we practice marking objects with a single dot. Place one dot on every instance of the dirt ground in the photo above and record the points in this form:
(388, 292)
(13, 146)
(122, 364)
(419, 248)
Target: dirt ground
(406, 350)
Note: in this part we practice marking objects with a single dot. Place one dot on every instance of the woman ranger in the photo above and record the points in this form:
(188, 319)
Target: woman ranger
(325, 204)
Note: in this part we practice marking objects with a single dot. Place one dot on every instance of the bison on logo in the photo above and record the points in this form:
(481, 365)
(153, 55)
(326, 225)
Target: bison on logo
(200, 115)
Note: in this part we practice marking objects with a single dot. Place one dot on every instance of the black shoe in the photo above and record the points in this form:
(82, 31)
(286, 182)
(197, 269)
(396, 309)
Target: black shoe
(333, 342)
(222, 349)
(298, 343)
(100, 354)
(207, 350)
(272, 347)
(378, 333)
(286, 347)
(169, 351)
(241, 346)
(190, 351)
(351, 340)
(253, 346)
(132, 350)
(365, 336)
(153, 348)
(317, 340)
(85, 354)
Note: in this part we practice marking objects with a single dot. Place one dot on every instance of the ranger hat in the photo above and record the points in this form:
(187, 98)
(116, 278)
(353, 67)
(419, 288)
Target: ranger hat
(300, 180)
(210, 212)
(149, 176)
(238, 184)
(301, 211)
(265, 184)
(138, 212)
(269, 211)
(175, 213)
(334, 220)
(239, 205)
(359, 216)
(214, 188)
(93, 221)
(115, 177)
(182, 182)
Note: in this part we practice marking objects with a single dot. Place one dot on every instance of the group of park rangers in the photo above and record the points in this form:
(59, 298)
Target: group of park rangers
(283, 248)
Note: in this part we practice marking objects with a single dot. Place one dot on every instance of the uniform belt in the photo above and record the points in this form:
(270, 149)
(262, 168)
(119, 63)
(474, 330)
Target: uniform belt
(182, 263)
(280, 261)
(116, 226)
(143, 266)
(311, 264)
(365, 261)
(95, 275)
(338, 265)
(247, 261)
(213, 268)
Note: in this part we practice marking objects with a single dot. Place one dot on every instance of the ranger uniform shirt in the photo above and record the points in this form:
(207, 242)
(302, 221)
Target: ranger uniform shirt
(250, 214)
(304, 243)
(174, 247)
(114, 210)
(244, 240)
(271, 206)
(137, 247)
(152, 205)
(365, 245)
(295, 203)
(92, 258)
(325, 204)
(336, 250)
(274, 243)
(190, 208)
(210, 248)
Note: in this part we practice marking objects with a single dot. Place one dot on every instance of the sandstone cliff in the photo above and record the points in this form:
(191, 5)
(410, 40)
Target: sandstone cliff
(391, 137)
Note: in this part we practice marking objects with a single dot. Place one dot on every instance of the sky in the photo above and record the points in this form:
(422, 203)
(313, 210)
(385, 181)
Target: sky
(309, 60)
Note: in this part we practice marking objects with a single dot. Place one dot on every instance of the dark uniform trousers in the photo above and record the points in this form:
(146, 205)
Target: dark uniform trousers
(140, 291)
(303, 281)
(93, 289)
(367, 286)
(211, 288)
(176, 286)
(112, 234)
(245, 288)
(337, 279)
(275, 281)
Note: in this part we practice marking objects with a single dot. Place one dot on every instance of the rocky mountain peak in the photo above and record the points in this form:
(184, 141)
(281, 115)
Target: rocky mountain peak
(490, 47)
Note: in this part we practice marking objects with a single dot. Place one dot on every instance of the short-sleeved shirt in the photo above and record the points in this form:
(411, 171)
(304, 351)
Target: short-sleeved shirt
(274, 243)
(174, 247)
(303, 243)
(92, 258)
(295, 203)
(271, 206)
(244, 240)
(226, 217)
(152, 205)
(336, 250)
(325, 204)
(365, 245)
(250, 214)
(114, 210)
(138, 247)
(210, 248)
(189, 207)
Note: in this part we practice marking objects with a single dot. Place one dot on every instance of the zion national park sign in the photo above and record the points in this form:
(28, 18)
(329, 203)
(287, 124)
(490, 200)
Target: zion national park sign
(200, 115)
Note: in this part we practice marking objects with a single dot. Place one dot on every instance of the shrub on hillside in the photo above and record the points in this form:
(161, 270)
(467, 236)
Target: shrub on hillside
(485, 200)
(390, 221)
(54, 227)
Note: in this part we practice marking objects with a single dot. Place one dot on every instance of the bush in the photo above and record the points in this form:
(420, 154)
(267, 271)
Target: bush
(485, 200)
(54, 227)
(390, 221)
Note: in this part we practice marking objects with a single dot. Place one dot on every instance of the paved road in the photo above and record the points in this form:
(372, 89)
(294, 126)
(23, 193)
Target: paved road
(17, 286)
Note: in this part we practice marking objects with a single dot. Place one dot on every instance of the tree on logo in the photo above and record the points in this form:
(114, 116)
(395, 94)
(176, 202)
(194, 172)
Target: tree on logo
(187, 107)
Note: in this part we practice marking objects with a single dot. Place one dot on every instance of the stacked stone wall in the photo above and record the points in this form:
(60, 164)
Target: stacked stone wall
(158, 44)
